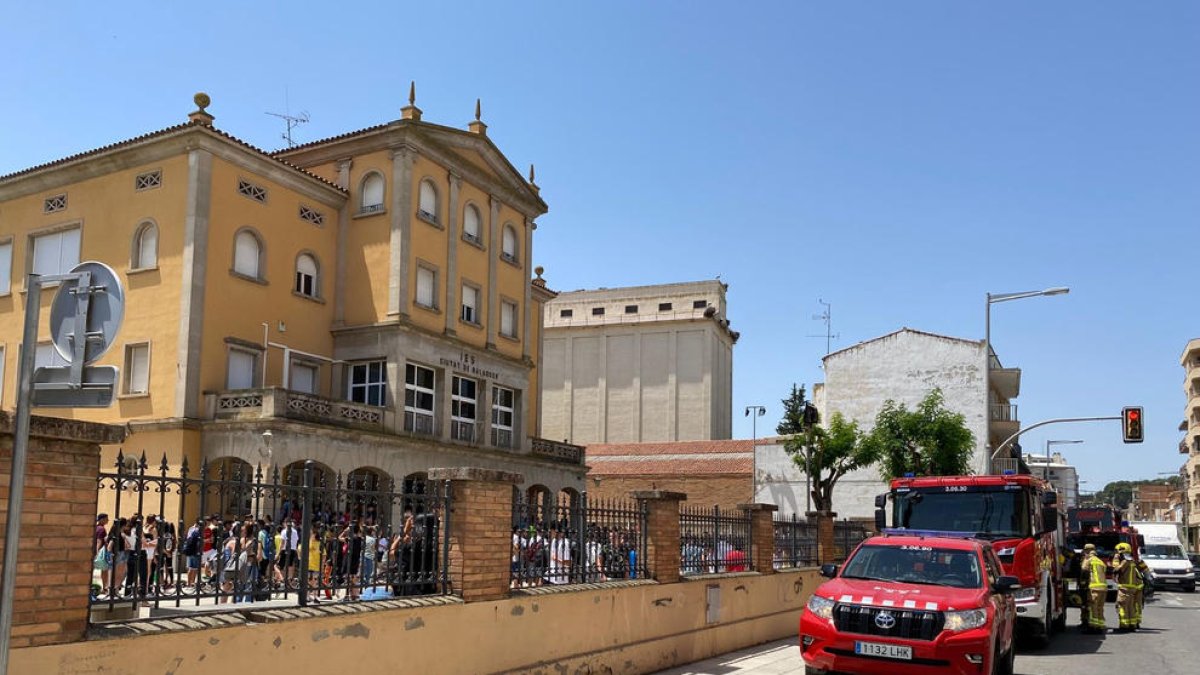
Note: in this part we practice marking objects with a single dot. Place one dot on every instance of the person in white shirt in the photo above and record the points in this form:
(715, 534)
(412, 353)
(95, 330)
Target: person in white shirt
(560, 557)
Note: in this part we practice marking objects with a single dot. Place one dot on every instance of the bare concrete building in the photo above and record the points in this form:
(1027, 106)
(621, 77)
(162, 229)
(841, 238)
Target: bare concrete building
(1063, 476)
(903, 366)
(638, 364)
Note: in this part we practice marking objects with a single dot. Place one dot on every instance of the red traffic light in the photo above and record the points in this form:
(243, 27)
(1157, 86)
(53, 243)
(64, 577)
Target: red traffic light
(1131, 425)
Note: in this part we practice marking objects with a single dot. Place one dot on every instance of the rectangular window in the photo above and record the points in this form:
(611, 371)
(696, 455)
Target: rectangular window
(368, 383)
(56, 253)
(502, 416)
(6, 267)
(699, 304)
(242, 369)
(137, 368)
(55, 203)
(508, 319)
(470, 304)
(419, 395)
(463, 401)
(146, 181)
(664, 306)
(566, 313)
(426, 285)
(631, 309)
(255, 192)
(597, 311)
(303, 377)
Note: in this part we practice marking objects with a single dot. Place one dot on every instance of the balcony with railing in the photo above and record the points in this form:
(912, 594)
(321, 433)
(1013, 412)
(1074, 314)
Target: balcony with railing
(557, 452)
(1004, 422)
(276, 402)
(1005, 381)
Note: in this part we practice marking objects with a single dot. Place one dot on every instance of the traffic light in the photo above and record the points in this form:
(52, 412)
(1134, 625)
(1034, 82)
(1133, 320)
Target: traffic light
(1131, 424)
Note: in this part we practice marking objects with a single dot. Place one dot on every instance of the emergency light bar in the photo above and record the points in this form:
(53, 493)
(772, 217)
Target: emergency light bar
(944, 534)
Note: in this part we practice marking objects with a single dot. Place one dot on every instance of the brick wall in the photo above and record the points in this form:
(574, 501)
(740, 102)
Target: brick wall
(724, 491)
(480, 531)
(54, 564)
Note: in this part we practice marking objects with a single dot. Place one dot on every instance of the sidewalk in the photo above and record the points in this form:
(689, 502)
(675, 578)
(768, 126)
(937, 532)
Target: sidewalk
(773, 658)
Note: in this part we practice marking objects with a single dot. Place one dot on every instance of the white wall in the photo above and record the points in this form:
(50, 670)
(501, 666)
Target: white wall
(904, 367)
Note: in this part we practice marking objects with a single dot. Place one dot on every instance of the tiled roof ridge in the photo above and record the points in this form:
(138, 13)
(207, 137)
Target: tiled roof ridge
(163, 132)
(330, 139)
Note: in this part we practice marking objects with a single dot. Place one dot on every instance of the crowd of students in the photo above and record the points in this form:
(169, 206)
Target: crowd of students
(248, 559)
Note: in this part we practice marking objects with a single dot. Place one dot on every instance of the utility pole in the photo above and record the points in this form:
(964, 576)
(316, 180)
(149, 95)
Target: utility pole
(754, 412)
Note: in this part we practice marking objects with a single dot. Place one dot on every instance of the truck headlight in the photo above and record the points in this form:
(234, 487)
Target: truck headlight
(1027, 593)
(821, 607)
(965, 620)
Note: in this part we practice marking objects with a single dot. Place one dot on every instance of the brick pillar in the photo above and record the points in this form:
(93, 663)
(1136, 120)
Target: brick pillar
(54, 564)
(827, 551)
(662, 533)
(480, 523)
(762, 536)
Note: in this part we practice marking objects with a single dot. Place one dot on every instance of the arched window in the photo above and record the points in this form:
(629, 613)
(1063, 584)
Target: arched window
(471, 223)
(145, 247)
(428, 205)
(247, 254)
(372, 193)
(508, 246)
(306, 276)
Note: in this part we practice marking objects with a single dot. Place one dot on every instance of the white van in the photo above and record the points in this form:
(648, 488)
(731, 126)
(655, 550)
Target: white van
(1163, 553)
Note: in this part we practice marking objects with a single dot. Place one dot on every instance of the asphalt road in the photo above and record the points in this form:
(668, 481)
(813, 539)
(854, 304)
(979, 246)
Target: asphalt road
(1166, 645)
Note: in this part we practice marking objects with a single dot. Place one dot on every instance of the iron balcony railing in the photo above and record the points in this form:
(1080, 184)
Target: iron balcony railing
(582, 541)
(714, 541)
(229, 533)
(1004, 412)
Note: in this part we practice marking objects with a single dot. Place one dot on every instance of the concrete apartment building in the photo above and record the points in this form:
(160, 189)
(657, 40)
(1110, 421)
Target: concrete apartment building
(637, 365)
(1190, 445)
(1061, 474)
(369, 299)
(903, 366)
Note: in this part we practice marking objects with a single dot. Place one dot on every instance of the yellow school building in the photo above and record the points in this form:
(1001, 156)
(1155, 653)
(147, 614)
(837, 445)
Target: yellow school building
(366, 301)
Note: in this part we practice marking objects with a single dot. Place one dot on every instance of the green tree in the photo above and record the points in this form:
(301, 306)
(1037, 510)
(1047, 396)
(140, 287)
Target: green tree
(825, 454)
(793, 413)
(927, 441)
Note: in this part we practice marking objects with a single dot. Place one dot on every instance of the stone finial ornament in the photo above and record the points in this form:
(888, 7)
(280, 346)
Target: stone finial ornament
(478, 110)
(200, 115)
(412, 92)
(411, 111)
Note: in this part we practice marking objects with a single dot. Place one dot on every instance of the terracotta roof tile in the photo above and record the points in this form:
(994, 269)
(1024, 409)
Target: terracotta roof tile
(672, 448)
(164, 132)
(672, 467)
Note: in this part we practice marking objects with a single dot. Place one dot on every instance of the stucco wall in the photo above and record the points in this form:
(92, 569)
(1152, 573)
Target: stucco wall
(634, 629)
(905, 367)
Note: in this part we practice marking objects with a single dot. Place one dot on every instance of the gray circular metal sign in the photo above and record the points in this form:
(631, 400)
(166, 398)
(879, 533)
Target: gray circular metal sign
(106, 309)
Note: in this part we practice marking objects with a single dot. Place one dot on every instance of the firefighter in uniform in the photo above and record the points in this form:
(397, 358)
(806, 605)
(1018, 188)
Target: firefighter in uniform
(1128, 586)
(1097, 571)
(1139, 594)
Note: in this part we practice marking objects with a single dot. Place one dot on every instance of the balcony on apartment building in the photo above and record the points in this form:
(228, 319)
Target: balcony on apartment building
(1006, 382)
(1004, 422)
(280, 403)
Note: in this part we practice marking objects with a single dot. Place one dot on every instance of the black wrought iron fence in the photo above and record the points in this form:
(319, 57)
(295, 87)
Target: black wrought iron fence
(714, 541)
(586, 541)
(848, 534)
(795, 542)
(230, 533)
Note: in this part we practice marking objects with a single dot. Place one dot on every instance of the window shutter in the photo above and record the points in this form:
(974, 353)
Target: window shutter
(372, 194)
(241, 369)
(471, 223)
(509, 245)
(6, 267)
(245, 256)
(138, 370)
(303, 378)
(46, 253)
(69, 251)
(147, 247)
(424, 287)
(428, 198)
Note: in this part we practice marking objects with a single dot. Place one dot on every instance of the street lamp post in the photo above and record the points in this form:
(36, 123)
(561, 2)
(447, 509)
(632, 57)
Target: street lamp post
(1046, 469)
(993, 298)
(758, 411)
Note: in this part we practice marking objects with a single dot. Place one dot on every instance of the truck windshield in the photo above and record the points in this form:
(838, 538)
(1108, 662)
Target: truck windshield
(1163, 552)
(1000, 513)
(915, 565)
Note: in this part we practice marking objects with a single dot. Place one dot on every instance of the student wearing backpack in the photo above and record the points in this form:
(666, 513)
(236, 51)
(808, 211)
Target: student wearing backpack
(192, 544)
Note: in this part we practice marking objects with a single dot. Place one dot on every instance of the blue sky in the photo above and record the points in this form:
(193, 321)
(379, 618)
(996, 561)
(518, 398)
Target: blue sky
(898, 159)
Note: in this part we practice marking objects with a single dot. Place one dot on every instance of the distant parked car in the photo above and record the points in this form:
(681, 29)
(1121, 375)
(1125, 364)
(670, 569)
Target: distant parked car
(1195, 558)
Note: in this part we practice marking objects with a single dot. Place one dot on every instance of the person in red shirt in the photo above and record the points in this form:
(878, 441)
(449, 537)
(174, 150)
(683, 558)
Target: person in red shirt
(735, 561)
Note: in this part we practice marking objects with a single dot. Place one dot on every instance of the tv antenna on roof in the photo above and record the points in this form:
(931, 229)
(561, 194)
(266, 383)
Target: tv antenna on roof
(826, 315)
(291, 120)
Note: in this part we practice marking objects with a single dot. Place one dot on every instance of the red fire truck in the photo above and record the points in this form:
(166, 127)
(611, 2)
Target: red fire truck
(1018, 514)
(1103, 527)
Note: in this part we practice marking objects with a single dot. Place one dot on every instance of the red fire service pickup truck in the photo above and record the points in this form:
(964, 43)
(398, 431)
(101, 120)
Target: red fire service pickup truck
(912, 602)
